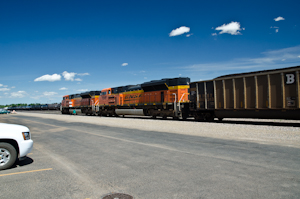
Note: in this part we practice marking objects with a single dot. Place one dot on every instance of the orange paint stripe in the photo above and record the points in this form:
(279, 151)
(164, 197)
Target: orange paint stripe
(8, 174)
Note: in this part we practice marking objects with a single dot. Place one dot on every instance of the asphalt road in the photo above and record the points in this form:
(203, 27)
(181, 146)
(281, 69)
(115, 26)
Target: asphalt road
(79, 160)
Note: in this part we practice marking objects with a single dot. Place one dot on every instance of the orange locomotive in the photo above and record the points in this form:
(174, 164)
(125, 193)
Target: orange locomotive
(70, 102)
(84, 103)
(164, 98)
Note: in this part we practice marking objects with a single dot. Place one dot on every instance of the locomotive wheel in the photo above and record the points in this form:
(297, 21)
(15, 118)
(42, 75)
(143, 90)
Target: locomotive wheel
(208, 117)
(199, 118)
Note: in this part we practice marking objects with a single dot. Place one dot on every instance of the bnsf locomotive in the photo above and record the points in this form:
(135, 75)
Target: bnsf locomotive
(269, 94)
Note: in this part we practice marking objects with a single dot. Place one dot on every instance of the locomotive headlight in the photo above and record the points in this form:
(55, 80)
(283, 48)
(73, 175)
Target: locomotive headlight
(26, 135)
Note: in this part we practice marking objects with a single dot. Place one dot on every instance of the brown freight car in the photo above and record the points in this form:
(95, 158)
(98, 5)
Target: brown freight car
(269, 94)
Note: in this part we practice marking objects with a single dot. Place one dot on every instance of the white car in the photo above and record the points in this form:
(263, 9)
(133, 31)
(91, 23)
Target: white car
(15, 142)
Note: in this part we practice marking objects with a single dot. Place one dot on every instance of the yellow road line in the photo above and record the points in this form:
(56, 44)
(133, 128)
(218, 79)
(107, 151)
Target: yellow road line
(8, 174)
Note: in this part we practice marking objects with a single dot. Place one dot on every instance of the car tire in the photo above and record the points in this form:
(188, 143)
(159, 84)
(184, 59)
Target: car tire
(8, 155)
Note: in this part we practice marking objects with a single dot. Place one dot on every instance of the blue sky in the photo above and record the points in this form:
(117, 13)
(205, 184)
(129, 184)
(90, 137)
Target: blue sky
(52, 48)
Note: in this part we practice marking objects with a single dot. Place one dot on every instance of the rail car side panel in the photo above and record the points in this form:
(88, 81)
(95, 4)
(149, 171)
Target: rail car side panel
(239, 102)
(250, 92)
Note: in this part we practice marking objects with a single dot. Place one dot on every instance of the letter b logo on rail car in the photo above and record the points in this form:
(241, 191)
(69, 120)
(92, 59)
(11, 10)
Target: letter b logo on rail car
(290, 78)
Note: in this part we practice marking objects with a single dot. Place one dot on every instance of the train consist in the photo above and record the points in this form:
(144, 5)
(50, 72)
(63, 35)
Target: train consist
(165, 98)
(36, 107)
(269, 94)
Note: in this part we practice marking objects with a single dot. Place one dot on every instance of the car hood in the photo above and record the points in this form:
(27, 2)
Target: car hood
(12, 128)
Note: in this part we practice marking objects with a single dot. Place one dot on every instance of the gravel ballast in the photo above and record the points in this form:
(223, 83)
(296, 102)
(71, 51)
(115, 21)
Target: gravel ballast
(273, 132)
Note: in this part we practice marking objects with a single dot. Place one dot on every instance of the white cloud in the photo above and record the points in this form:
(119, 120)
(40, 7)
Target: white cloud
(69, 76)
(46, 95)
(13, 87)
(275, 56)
(35, 97)
(279, 19)
(83, 74)
(188, 35)
(286, 57)
(231, 28)
(50, 78)
(19, 94)
(63, 89)
(214, 34)
(49, 93)
(276, 28)
(82, 90)
(1, 85)
(179, 31)
(4, 89)
(56, 77)
(125, 64)
(78, 79)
